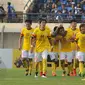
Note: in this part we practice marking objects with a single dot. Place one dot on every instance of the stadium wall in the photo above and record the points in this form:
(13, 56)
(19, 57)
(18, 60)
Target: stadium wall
(16, 27)
(6, 56)
(10, 34)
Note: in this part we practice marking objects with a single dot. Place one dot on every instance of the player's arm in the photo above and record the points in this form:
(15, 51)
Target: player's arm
(32, 45)
(77, 46)
(58, 37)
(33, 42)
(20, 41)
(76, 38)
(49, 36)
(51, 43)
(70, 40)
(50, 40)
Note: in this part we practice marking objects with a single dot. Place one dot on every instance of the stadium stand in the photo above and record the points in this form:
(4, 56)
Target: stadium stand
(52, 10)
(58, 10)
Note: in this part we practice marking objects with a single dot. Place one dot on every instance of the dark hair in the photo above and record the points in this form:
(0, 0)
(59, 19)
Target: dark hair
(81, 25)
(54, 33)
(29, 21)
(73, 20)
(55, 28)
(42, 19)
(9, 3)
(59, 28)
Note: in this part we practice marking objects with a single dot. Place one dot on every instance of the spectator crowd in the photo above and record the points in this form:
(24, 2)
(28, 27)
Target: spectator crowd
(61, 9)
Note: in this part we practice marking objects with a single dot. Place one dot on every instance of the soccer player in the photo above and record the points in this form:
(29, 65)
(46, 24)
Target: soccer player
(25, 37)
(54, 50)
(80, 39)
(65, 51)
(42, 35)
(74, 30)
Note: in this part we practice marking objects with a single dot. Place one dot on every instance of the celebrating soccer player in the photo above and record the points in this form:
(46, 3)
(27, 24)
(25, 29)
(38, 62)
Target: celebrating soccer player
(65, 51)
(74, 30)
(80, 40)
(25, 35)
(42, 35)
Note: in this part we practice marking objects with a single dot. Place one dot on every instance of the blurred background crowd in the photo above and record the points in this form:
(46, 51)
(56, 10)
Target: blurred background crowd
(60, 10)
(55, 10)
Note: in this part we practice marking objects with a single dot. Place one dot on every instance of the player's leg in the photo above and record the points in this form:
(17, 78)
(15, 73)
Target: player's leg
(36, 68)
(81, 68)
(70, 72)
(26, 65)
(44, 62)
(54, 59)
(31, 56)
(75, 66)
(74, 63)
(36, 64)
(80, 56)
(62, 60)
(84, 71)
(69, 60)
(25, 61)
(41, 68)
(53, 68)
(30, 65)
(37, 59)
(40, 64)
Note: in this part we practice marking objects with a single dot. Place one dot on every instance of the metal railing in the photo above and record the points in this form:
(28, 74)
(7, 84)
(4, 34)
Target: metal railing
(50, 17)
(12, 18)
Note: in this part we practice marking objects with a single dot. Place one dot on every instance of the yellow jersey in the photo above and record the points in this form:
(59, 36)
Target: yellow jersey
(42, 42)
(55, 43)
(27, 37)
(74, 32)
(65, 44)
(81, 41)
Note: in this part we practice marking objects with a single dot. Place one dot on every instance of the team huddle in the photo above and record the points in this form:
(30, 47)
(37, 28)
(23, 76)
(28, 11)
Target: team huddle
(40, 42)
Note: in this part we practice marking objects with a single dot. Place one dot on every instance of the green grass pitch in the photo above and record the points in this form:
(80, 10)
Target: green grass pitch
(17, 77)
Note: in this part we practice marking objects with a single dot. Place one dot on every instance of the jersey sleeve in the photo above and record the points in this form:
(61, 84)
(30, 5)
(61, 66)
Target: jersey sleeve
(22, 32)
(77, 36)
(68, 29)
(49, 32)
(34, 34)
